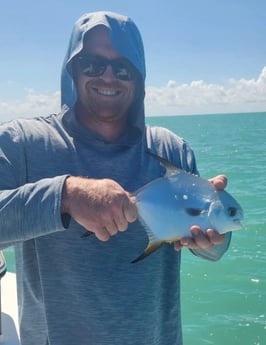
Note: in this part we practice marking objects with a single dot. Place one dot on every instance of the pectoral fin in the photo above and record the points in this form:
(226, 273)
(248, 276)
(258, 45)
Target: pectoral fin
(152, 246)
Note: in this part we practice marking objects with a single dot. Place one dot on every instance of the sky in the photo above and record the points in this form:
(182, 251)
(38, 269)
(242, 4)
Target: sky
(202, 56)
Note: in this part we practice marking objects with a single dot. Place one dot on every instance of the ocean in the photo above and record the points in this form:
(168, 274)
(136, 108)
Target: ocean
(224, 302)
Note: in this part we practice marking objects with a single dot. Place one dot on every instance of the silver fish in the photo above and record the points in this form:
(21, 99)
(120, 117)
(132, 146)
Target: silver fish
(170, 205)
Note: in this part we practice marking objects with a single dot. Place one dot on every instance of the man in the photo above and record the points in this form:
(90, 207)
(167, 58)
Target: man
(73, 171)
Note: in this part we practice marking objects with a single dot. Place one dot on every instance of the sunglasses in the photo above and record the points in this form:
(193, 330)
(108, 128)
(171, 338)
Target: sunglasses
(95, 66)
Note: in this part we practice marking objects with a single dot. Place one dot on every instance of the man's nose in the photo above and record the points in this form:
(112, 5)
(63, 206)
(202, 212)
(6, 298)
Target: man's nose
(108, 73)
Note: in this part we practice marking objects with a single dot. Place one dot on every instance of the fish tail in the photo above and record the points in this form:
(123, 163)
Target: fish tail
(152, 247)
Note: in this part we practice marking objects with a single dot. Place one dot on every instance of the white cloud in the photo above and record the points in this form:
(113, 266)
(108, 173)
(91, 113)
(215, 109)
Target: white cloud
(198, 97)
(33, 104)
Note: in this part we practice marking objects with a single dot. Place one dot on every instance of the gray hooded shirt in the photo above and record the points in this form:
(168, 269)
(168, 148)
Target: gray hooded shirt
(75, 290)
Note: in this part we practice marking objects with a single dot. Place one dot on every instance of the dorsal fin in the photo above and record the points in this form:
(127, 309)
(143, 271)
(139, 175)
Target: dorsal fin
(171, 169)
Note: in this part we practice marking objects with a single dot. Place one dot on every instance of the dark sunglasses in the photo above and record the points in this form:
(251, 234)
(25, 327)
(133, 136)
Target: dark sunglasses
(95, 66)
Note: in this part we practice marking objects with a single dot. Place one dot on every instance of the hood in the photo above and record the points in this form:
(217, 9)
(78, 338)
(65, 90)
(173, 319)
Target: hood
(125, 38)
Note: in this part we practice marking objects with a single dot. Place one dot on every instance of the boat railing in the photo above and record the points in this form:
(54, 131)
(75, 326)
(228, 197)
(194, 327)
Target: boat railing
(2, 273)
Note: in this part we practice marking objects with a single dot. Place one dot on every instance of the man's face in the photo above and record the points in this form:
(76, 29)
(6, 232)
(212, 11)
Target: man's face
(105, 97)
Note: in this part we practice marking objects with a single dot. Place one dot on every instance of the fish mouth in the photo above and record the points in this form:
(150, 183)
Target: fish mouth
(238, 224)
(239, 221)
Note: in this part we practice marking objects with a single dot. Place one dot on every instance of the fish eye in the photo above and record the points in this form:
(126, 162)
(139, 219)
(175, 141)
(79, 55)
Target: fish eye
(193, 211)
(232, 211)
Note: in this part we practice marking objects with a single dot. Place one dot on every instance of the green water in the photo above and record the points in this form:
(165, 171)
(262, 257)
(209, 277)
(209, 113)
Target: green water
(224, 303)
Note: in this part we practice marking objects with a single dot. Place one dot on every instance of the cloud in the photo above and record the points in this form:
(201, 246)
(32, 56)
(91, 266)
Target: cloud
(33, 104)
(198, 97)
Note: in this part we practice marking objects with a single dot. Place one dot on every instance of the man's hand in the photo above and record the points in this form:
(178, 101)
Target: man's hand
(200, 239)
(101, 206)
(219, 182)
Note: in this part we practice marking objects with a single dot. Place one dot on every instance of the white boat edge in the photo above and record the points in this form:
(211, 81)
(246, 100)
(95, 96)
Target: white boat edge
(10, 329)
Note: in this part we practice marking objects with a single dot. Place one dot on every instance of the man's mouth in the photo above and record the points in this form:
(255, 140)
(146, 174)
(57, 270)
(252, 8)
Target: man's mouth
(107, 92)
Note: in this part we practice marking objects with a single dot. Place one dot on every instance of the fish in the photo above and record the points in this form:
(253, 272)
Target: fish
(168, 206)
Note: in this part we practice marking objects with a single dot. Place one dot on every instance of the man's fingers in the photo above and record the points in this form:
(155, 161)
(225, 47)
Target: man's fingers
(102, 234)
(215, 237)
(111, 227)
(130, 210)
(101, 206)
(178, 246)
(219, 182)
(200, 238)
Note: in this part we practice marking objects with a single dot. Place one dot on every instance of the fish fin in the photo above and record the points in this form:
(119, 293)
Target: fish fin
(86, 234)
(152, 246)
(173, 240)
(171, 169)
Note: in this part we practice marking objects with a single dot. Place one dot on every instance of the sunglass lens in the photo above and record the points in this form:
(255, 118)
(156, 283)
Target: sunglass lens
(95, 66)
(122, 69)
(92, 67)
(122, 73)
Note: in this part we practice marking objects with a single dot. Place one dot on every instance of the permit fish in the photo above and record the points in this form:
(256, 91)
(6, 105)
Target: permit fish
(170, 205)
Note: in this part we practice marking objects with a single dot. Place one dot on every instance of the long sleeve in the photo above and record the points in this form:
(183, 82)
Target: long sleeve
(27, 209)
(30, 211)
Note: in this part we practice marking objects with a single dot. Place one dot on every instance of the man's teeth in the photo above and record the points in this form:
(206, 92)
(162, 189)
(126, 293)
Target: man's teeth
(105, 92)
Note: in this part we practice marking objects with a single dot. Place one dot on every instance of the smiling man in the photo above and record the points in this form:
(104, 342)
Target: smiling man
(75, 171)
(103, 102)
